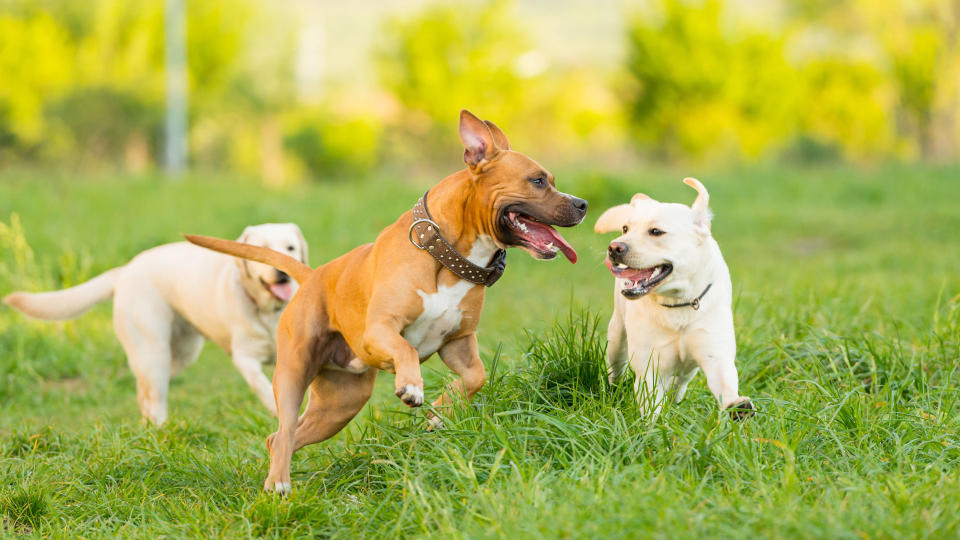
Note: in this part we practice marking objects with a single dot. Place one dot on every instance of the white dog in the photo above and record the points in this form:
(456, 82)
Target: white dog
(672, 301)
(169, 298)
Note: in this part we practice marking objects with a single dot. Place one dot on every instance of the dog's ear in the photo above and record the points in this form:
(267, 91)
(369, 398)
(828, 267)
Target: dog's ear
(640, 197)
(244, 238)
(499, 137)
(245, 235)
(613, 219)
(701, 206)
(477, 140)
(304, 257)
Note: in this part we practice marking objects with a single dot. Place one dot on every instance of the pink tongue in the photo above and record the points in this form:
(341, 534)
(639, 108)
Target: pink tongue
(544, 234)
(283, 291)
(632, 274)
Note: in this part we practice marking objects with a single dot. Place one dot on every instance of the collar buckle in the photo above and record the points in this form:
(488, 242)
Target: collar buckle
(414, 224)
(431, 241)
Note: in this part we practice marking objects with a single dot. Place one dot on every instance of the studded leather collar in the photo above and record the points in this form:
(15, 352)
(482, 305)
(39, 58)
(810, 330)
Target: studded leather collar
(425, 234)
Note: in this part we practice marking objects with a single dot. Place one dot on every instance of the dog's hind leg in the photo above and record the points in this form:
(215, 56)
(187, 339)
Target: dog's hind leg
(185, 345)
(682, 381)
(335, 398)
(295, 367)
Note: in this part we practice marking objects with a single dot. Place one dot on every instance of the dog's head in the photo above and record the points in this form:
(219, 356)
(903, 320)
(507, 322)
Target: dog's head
(662, 245)
(267, 284)
(525, 202)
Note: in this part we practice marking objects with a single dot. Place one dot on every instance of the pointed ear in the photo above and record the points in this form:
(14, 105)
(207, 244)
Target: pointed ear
(477, 140)
(701, 206)
(499, 137)
(304, 257)
(613, 219)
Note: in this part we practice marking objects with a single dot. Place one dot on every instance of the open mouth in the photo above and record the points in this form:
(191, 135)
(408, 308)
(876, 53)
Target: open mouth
(640, 281)
(281, 290)
(537, 236)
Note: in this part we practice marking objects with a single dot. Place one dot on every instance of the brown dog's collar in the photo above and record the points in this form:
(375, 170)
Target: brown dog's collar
(425, 234)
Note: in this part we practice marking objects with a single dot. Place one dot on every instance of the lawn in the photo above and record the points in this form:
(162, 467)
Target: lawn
(848, 324)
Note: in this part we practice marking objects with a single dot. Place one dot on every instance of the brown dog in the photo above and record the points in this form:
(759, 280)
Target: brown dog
(391, 304)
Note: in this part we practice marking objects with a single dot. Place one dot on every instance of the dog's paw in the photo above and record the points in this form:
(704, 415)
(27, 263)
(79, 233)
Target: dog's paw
(411, 395)
(434, 423)
(280, 488)
(741, 409)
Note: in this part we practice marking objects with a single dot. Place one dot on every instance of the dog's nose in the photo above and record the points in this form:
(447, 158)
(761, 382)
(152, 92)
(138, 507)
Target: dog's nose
(617, 249)
(282, 277)
(579, 204)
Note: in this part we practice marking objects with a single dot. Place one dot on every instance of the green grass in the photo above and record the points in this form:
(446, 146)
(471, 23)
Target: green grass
(846, 304)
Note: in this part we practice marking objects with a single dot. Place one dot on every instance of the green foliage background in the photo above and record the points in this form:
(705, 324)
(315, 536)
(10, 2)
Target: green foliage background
(701, 81)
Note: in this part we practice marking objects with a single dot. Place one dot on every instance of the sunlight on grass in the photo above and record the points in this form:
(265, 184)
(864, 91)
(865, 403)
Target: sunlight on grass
(848, 330)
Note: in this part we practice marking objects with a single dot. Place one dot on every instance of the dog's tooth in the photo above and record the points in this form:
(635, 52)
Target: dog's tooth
(656, 272)
(621, 266)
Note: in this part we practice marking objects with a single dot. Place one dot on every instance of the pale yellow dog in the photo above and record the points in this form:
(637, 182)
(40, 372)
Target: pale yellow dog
(672, 311)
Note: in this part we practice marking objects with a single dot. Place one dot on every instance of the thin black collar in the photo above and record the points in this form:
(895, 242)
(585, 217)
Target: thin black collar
(429, 239)
(695, 303)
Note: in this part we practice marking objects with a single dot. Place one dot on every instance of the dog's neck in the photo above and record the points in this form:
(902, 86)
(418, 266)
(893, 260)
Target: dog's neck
(462, 219)
(264, 302)
(689, 289)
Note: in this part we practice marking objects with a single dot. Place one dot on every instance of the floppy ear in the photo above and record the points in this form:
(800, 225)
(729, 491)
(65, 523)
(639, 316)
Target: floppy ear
(304, 257)
(244, 237)
(701, 206)
(639, 197)
(613, 219)
(477, 140)
(499, 137)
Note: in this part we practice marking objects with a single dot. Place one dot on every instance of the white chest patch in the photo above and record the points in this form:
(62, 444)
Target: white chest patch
(441, 314)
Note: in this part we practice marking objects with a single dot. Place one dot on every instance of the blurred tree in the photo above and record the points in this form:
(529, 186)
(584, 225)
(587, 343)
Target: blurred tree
(918, 42)
(449, 57)
(328, 144)
(36, 63)
(477, 56)
(707, 84)
(922, 40)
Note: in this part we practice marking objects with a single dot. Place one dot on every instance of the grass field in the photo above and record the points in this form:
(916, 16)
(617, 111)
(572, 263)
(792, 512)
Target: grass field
(846, 303)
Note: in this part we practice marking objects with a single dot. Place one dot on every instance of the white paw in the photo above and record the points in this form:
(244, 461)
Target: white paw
(411, 395)
(280, 488)
(434, 423)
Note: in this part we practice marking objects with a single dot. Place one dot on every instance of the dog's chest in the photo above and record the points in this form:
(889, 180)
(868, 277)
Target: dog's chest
(441, 315)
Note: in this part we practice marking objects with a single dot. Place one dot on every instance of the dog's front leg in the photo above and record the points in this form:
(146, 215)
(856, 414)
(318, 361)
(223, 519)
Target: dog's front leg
(616, 344)
(249, 365)
(386, 346)
(716, 355)
(462, 356)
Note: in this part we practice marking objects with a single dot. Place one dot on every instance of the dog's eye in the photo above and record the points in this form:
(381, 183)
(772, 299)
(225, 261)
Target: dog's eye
(537, 180)
(625, 229)
(656, 232)
(290, 248)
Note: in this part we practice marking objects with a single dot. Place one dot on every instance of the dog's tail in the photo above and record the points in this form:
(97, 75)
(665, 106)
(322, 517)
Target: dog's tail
(294, 268)
(66, 303)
